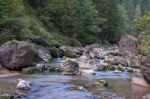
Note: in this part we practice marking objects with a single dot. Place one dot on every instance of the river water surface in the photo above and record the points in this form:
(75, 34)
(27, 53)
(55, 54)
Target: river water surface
(57, 86)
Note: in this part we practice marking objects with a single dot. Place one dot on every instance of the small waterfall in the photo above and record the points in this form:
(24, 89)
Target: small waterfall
(58, 53)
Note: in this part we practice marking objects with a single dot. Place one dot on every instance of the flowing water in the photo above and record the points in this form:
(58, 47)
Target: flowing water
(57, 86)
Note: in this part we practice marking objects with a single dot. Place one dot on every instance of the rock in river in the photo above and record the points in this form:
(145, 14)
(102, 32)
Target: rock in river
(15, 55)
(71, 68)
(23, 85)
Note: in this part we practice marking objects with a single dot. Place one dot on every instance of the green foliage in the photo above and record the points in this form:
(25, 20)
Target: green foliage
(12, 20)
(71, 17)
(142, 22)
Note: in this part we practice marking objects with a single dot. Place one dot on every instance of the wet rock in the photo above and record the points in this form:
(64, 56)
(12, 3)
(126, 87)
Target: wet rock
(32, 70)
(45, 55)
(101, 67)
(117, 71)
(144, 57)
(88, 71)
(56, 52)
(81, 88)
(71, 68)
(55, 68)
(15, 55)
(23, 85)
(128, 45)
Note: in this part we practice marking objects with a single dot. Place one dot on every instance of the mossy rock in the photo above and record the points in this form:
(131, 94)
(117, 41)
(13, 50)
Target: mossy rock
(32, 70)
(56, 52)
(111, 67)
(103, 82)
(144, 43)
(121, 68)
(69, 54)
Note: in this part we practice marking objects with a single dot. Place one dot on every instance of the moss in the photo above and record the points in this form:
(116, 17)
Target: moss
(69, 54)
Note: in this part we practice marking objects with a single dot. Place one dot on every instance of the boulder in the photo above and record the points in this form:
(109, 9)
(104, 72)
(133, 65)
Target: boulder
(44, 55)
(101, 67)
(71, 68)
(134, 62)
(55, 67)
(128, 45)
(144, 51)
(23, 85)
(15, 55)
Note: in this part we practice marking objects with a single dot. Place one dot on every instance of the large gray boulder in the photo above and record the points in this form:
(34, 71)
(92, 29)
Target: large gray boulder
(71, 68)
(128, 46)
(15, 55)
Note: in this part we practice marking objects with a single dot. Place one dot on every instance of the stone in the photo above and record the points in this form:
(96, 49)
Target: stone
(101, 67)
(71, 68)
(23, 85)
(144, 57)
(15, 55)
(128, 45)
(55, 68)
(45, 55)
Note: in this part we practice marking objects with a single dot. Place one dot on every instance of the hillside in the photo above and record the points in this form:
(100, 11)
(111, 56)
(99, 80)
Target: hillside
(70, 22)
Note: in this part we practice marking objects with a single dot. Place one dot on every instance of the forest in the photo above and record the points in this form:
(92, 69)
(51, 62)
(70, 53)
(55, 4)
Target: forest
(74, 49)
(85, 21)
